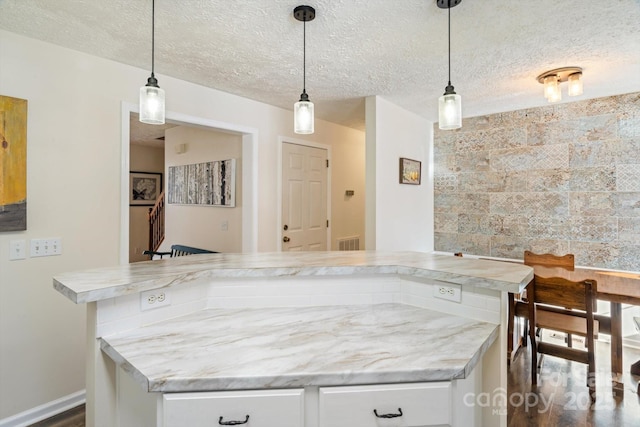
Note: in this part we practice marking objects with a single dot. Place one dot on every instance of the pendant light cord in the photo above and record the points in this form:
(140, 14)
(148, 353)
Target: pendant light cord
(304, 56)
(153, 34)
(449, 4)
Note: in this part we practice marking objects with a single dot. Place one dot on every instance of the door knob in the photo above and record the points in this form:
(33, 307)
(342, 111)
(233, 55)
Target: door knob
(286, 239)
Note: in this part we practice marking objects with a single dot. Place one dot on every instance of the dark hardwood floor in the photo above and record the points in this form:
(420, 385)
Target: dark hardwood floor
(71, 418)
(560, 399)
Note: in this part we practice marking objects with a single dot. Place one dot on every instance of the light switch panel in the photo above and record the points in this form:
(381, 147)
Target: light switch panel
(17, 250)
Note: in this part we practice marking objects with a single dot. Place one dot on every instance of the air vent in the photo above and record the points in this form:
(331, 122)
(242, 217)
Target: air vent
(349, 243)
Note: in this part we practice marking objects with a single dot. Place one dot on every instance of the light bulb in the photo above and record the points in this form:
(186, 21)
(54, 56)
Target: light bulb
(575, 84)
(303, 117)
(152, 105)
(450, 111)
(552, 88)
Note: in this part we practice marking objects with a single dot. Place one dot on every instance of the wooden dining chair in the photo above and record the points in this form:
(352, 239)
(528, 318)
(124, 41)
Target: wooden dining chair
(518, 304)
(566, 261)
(576, 317)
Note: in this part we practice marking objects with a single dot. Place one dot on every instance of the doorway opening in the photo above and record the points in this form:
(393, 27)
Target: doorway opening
(304, 196)
(247, 138)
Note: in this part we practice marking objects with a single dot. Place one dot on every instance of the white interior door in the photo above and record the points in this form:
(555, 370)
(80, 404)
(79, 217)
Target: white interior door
(304, 198)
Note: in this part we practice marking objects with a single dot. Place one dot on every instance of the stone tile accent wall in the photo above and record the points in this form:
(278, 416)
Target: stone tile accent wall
(561, 179)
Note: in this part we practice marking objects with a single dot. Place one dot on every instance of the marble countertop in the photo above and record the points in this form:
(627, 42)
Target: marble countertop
(102, 283)
(229, 349)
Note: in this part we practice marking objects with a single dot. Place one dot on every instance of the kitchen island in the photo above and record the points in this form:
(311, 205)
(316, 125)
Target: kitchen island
(310, 331)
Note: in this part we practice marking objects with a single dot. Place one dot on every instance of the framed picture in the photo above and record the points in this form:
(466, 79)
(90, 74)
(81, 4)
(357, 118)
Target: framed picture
(410, 171)
(13, 164)
(144, 188)
(209, 184)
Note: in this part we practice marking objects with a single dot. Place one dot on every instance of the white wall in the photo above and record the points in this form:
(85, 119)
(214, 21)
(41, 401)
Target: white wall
(401, 216)
(347, 173)
(142, 159)
(74, 168)
(198, 225)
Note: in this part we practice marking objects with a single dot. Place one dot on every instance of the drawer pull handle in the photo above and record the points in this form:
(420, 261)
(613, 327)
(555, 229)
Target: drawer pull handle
(389, 415)
(232, 423)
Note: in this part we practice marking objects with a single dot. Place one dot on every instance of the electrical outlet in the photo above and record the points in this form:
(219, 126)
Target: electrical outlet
(450, 291)
(154, 299)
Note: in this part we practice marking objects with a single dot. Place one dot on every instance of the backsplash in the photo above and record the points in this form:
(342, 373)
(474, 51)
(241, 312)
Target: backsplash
(560, 179)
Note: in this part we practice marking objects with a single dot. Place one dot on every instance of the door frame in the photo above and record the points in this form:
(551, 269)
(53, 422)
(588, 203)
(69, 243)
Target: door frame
(249, 174)
(312, 144)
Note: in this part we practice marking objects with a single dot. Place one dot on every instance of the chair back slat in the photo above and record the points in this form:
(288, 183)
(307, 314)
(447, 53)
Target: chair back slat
(566, 261)
(561, 292)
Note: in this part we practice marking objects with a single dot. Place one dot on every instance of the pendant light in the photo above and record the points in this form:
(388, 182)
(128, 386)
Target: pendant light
(151, 96)
(450, 103)
(303, 109)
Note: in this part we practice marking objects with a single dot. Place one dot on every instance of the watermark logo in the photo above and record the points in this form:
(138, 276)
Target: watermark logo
(499, 399)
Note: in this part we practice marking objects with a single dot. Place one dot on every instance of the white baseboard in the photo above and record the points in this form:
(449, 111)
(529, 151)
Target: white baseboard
(45, 411)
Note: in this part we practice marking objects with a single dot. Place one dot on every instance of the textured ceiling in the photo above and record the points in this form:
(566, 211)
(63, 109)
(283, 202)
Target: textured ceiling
(147, 135)
(355, 48)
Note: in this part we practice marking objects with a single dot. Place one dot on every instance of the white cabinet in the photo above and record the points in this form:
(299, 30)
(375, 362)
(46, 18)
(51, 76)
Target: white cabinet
(406, 405)
(256, 408)
(397, 405)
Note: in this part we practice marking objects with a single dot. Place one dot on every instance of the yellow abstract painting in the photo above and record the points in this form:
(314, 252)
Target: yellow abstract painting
(13, 164)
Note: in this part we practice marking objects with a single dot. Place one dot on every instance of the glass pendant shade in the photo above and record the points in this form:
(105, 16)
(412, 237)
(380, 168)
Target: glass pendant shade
(151, 96)
(303, 117)
(575, 84)
(450, 103)
(152, 103)
(552, 89)
(450, 111)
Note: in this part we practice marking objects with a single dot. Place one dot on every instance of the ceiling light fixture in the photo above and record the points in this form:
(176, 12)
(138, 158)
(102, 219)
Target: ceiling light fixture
(551, 80)
(449, 104)
(151, 96)
(303, 109)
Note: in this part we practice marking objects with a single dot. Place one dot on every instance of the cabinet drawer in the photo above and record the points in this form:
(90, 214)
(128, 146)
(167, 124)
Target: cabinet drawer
(265, 408)
(422, 404)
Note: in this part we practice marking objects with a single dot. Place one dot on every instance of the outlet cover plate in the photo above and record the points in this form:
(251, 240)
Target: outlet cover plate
(449, 291)
(154, 299)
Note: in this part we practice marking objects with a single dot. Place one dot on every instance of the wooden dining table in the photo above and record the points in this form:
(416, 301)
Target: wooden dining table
(616, 287)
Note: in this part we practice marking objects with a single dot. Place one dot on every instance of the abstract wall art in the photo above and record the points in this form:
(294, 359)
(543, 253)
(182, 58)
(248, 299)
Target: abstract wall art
(209, 183)
(13, 164)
